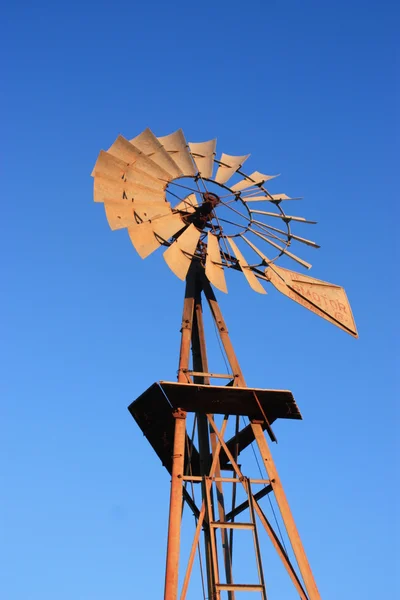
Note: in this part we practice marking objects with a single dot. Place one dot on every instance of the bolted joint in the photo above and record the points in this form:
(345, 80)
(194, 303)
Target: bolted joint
(186, 324)
(179, 414)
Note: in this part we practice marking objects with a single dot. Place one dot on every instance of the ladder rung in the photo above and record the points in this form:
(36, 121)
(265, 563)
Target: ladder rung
(231, 525)
(239, 587)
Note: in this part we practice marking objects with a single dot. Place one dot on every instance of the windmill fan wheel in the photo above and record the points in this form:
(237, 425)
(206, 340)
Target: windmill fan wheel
(167, 192)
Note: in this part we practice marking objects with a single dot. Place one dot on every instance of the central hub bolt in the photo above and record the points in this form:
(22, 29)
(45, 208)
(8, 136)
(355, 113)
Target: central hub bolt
(210, 199)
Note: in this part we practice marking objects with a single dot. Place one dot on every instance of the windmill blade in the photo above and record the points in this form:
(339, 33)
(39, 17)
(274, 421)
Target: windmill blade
(188, 204)
(121, 214)
(269, 233)
(325, 299)
(255, 178)
(304, 241)
(123, 190)
(180, 254)
(112, 167)
(267, 261)
(291, 235)
(109, 166)
(142, 179)
(147, 237)
(214, 269)
(203, 155)
(127, 152)
(228, 165)
(271, 198)
(247, 272)
(280, 197)
(176, 145)
(283, 250)
(263, 257)
(147, 143)
(283, 217)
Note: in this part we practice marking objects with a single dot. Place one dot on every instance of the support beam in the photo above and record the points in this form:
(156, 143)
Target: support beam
(224, 335)
(286, 513)
(241, 507)
(175, 508)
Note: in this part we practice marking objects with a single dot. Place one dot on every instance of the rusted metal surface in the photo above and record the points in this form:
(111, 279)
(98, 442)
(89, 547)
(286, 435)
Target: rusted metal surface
(205, 400)
(175, 508)
(200, 363)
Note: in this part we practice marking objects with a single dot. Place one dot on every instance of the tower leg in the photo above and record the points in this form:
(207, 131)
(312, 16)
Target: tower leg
(175, 508)
(286, 513)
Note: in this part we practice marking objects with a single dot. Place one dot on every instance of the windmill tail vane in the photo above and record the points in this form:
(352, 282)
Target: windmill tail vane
(167, 192)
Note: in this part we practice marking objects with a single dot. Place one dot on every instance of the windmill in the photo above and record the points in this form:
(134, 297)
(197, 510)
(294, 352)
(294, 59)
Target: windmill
(210, 216)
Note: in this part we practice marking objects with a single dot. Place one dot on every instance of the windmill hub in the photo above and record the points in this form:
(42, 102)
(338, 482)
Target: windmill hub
(210, 200)
(203, 213)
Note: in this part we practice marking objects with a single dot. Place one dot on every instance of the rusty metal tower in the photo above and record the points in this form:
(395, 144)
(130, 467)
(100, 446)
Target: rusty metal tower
(167, 192)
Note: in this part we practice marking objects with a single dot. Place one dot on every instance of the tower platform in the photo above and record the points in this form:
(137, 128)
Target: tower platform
(153, 412)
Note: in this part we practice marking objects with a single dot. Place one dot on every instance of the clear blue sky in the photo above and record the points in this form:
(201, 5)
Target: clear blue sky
(309, 89)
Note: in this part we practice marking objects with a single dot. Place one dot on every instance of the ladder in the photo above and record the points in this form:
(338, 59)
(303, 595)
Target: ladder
(230, 586)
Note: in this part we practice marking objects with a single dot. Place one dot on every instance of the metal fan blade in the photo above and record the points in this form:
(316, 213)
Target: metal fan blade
(111, 167)
(147, 143)
(188, 204)
(304, 241)
(291, 235)
(124, 190)
(140, 178)
(286, 252)
(147, 237)
(179, 255)
(263, 257)
(247, 272)
(283, 217)
(271, 198)
(136, 159)
(325, 299)
(203, 155)
(121, 214)
(255, 178)
(214, 269)
(228, 165)
(176, 145)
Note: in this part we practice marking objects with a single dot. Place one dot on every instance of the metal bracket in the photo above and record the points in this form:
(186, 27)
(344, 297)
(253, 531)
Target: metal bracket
(179, 414)
(211, 375)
